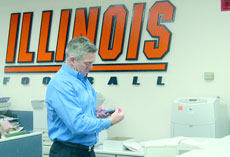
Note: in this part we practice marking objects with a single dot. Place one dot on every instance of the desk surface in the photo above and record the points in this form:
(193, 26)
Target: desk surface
(20, 136)
(218, 147)
(99, 150)
(223, 152)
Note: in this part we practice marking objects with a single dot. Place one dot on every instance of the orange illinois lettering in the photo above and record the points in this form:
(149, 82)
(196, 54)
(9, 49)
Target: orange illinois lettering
(135, 32)
(43, 54)
(81, 28)
(112, 35)
(12, 39)
(160, 12)
(24, 55)
(63, 34)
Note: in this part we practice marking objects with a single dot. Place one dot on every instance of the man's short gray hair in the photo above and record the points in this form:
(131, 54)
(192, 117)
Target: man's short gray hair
(79, 47)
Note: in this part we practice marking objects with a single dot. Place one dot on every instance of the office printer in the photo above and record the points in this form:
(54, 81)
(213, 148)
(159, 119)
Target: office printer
(199, 117)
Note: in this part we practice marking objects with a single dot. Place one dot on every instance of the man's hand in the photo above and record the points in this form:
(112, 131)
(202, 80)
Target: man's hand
(117, 116)
(100, 114)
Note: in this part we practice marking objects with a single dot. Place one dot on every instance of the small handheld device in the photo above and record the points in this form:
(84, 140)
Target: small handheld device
(108, 111)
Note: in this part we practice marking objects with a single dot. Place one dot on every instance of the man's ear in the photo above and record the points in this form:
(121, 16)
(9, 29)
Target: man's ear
(71, 60)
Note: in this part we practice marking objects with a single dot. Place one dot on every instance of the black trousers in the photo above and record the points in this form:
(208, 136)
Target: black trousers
(59, 149)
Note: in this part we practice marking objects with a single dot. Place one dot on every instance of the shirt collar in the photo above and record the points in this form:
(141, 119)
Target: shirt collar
(73, 72)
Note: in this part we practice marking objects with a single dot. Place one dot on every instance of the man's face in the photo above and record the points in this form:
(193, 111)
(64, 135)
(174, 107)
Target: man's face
(85, 64)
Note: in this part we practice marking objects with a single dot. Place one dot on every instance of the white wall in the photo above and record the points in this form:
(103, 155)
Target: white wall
(200, 43)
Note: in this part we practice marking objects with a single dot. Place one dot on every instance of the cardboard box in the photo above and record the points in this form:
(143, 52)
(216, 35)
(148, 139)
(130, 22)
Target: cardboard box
(116, 143)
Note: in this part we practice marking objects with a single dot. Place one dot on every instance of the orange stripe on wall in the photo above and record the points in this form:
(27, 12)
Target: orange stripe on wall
(29, 69)
(129, 67)
(96, 68)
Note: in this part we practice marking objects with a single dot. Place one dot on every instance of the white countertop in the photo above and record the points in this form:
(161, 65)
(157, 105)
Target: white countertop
(99, 150)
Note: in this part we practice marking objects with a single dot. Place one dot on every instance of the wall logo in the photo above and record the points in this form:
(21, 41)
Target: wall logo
(19, 59)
